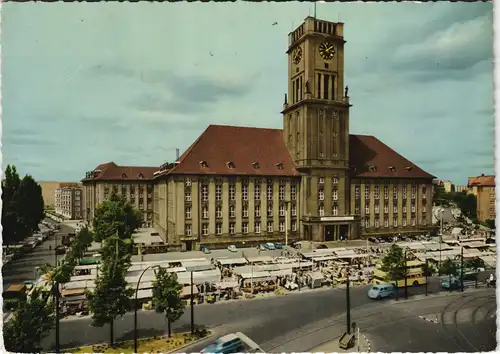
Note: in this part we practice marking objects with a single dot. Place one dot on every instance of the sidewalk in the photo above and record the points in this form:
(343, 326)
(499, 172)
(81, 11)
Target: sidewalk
(333, 346)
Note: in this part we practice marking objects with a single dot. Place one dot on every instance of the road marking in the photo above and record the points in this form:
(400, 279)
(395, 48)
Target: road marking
(429, 318)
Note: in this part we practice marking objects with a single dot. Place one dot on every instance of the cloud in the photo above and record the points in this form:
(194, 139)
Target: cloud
(27, 140)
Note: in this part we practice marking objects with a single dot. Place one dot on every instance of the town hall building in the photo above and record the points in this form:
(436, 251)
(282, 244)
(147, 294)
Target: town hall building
(310, 180)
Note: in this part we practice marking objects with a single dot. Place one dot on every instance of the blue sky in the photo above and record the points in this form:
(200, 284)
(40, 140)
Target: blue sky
(90, 83)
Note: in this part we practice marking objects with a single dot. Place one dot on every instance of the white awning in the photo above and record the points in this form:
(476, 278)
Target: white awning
(233, 261)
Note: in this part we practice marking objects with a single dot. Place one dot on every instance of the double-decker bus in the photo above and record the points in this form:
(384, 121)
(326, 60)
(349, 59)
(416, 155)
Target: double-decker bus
(414, 274)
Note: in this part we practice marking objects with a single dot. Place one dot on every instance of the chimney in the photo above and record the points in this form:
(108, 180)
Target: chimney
(176, 154)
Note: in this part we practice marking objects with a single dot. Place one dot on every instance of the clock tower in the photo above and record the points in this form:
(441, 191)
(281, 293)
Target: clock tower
(316, 126)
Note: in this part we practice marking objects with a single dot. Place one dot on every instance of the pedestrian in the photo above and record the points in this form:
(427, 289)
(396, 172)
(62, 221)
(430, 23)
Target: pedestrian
(50, 247)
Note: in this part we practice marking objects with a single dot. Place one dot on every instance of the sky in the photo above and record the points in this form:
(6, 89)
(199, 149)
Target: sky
(88, 83)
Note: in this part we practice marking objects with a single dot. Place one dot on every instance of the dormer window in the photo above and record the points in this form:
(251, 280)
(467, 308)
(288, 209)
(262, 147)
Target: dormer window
(409, 168)
(140, 176)
(373, 168)
(279, 166)
(256, 165)
(392, 168)
(124, 175)
(230, 164)
(203, 164)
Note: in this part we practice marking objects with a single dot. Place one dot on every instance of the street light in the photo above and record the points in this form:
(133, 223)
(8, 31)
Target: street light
(348, 303)
(56, 295)
(287, 203)
(137, 304)
(406, 275)
(441, 237)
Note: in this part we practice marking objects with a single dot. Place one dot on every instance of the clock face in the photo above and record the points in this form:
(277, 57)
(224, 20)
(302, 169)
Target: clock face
(297, 55)
(326, 50)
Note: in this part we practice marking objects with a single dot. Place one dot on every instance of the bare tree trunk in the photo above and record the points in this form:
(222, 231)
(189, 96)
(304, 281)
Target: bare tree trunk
(169, 328)
(111, 333)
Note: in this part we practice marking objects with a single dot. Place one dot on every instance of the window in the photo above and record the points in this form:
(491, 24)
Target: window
(386, 209)
(232, 229)
(244, 211)
(188, 212)
(321, 194)
(386, 192)
(395, 221)
(205, 212)
(269, 226)
(367, 192)
(188, 230)
(413, 208)
(204, 192)
(282, 192)
(367, 222)
(270, 210)
(257, 227)
(321, 210)
(244, 191)
(232, 211)
(356, 209)
(356, 192)
(269, 190)
(335, 181)
(218, 192)
(293, 192)
(282, 210)
(335, 210)
(404, 220)
(367, 209)
(335, 194)
(424, 222)
(395, 192)
(321, 180)
(424, 191)
(188, 182)
(187, 196)
(282, 226)
(413, 221)
(256, 191)
(294, 226)
(377, 210)
(293, 210)
(376, 192)
(413, 191)
(204, 229)
(257, 212)
(244, 227)
(218, 229)
(232, 189)
(404, 192)
(218, 212)
(377, 222)
(404, 208)
(386, 223)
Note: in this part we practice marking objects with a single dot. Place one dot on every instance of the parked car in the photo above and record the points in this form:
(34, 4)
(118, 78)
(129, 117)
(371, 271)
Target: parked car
(232, 248)
(321, 247)
(270, 246)
(227, 344)
(380, 291)
(261, 247)
(372, 239)
(278, 246)
(454, 284)
(205, 250)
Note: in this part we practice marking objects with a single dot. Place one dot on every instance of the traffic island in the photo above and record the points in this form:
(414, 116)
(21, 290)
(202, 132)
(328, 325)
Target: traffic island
(157, 344)
(338, 345)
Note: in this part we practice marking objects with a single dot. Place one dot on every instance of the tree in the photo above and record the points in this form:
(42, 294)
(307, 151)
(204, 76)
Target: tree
(474, 263)
(167, 297)
(115, 216)
(394, 263)
(14, 228)
(32, 321)
(30, 202)
(490, 224)
(466, 202)
(448, 267)
(111, 296)
(439, 195)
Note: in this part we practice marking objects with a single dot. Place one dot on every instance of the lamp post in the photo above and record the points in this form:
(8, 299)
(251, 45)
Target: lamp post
(137, 304)
(462, 268)
(348, 304)
(56, 295)
(406, 276)
(192, 305)
(426, 277)
(441, 236)
(287, 203)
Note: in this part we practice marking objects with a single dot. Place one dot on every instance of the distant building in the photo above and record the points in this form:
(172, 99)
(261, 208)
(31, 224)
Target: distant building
(459, 189)
(69, 200)
(483, 187)
(447, 185)
(49, 192)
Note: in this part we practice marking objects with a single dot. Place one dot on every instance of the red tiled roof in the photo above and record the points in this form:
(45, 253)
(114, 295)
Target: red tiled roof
(481, 181)
(243, 146)
(252, 151)
(369, 157)
(110, 171)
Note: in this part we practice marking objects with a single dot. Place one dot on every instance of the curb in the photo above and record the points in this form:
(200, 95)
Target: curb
(368, 344)
(428, 319)
(436, 295)
(179, 350)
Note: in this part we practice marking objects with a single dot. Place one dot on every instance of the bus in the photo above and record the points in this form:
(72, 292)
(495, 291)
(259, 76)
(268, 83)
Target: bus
(415, 275)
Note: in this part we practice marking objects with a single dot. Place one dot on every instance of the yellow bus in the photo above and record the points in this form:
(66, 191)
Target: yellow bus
(415, 275)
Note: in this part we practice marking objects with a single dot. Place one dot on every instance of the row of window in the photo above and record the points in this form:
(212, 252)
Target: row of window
(244, 228)
(244, 211)
(366, 222)
(386, 209)
(321, 194)
(376, 192)
(244, 192)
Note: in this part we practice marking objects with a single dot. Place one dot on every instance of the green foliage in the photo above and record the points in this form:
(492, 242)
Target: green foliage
(490, 223)
(115, 216)
(448, 267)
(474, 263)
(394, 263)
(440, 196)
(32, 321)
(167, 296)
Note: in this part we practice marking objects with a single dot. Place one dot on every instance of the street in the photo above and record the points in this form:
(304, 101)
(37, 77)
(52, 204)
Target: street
(23, 268)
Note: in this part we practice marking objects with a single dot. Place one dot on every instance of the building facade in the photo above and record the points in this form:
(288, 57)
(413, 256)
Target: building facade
(134, 183)
(69, 200)
(483, 187)
(311, 180)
